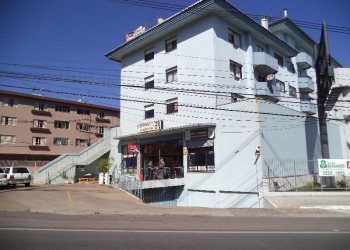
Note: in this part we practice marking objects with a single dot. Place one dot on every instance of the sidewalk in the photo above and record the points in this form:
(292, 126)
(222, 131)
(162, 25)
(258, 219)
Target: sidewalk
(75, 199)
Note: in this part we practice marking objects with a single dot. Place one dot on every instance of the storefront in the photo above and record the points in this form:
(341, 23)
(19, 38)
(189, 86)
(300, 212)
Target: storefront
(168, 154)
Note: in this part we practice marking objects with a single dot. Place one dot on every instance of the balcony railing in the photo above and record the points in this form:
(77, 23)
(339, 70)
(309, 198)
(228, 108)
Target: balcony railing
(306, 106)
(306, 84)
(264, 63)
(41, 112)
(103, 120)
(39, 147)
(267, 91)
(40, 130)
(303, 60)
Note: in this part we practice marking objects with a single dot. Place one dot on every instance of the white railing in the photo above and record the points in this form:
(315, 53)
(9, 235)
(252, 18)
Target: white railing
(52, 171)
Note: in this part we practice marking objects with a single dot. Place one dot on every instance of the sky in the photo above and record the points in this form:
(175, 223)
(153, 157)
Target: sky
(56, 47)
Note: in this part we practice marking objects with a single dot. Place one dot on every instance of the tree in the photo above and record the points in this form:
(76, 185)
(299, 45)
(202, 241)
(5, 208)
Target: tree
(104, 165)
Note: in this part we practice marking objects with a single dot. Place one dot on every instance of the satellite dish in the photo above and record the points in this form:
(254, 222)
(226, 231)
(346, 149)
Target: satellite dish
(270, 77)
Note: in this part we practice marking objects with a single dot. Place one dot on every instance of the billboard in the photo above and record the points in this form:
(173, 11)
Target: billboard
(334, 167)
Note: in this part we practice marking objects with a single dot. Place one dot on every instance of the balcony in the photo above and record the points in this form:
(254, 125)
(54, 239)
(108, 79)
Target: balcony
(41, 112)
(306, 84)
(102, 120)
(341, 83)
(303, 60)
(40, 130)
(39, 147)
(308, 107)
(264, 63)
(267, 91)
(99, 135)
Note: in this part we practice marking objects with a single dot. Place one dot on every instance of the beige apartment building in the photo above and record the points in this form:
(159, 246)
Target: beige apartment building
(36, 129)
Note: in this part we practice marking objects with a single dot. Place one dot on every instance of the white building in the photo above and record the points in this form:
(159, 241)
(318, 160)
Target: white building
(219, 98)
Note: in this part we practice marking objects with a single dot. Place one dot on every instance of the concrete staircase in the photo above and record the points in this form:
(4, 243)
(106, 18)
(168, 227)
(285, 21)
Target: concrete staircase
(62, 169)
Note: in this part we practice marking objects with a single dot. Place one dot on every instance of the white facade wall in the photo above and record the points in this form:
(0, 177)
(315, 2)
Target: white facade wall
(202, 58)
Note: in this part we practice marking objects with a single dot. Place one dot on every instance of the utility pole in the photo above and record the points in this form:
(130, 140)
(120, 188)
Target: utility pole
(324, 78)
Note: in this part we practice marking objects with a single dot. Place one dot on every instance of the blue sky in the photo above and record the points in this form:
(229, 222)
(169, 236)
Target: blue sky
(58, 46)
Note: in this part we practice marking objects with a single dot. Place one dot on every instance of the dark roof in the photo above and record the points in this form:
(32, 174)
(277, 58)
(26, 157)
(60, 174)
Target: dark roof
(188, 13)
(300, 32)
(56, 100)
(288, 21)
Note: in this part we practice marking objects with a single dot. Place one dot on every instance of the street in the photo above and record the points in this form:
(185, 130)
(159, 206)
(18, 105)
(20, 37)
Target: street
(98, 217)
(51, 231)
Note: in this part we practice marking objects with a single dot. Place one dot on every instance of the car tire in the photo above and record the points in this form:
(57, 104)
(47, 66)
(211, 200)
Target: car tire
(27, 184)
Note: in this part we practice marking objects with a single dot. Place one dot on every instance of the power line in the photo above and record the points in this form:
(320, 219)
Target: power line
(177, 7)
(189, 105)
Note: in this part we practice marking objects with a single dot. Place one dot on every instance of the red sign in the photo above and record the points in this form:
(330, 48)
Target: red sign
(132, 148)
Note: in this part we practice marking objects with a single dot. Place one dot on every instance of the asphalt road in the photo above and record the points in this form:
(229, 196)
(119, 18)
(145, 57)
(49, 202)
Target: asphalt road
(52, 231)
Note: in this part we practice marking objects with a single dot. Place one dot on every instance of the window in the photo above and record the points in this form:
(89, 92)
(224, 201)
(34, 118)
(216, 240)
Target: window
(40, 106)
(259, 48)
(149, 82)
(9, 102)
(62, 124)
(201, 159)
(101, 115)
(39, 124)
(83, 111)
(149, 54)
(236, 69)
(83, 127)
(292, 91)
(171, 106)
(39, 141)
(7, 139)
(279, 59)
(100, 130)
(234, 38)
(280, 86)
(149, 111)
(81, 142)
(290, 67)
(60, 108)
(60, 141)
(171, 74)
(236, 97)
(170, 44)
(9, 121)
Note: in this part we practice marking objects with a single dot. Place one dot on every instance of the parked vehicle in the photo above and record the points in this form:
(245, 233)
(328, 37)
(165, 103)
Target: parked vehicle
(18, 175)
(3, 180)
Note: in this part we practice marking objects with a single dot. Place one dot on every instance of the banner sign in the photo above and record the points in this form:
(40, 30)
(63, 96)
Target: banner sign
(334, 167)
(132, 148)
(135, 33)
(150, 126)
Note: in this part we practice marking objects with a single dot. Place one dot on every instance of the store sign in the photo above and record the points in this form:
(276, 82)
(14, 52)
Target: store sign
(132, 148)
(334, 167)
(150, 126)
(131, 35)
(206, 133)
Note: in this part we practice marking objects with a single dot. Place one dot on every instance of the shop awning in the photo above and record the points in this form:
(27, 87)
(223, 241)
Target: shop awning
(169, 131)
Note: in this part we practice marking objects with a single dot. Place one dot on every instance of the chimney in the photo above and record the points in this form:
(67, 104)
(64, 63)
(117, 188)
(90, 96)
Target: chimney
(160, 20)
(265, 22)
(285, 13)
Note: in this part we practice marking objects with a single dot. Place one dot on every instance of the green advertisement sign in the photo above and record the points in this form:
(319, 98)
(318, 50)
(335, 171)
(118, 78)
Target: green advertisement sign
(334, 167)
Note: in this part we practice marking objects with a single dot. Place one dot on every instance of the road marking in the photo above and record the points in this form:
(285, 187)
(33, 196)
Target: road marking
(69, 197)
(328, 207)
(170, 231)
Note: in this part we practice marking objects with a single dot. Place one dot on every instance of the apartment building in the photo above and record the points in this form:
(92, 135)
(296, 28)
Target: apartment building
(221, 100)
(37, 129)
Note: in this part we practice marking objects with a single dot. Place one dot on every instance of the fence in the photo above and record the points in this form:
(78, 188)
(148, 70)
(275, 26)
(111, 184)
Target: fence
(298, 175)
